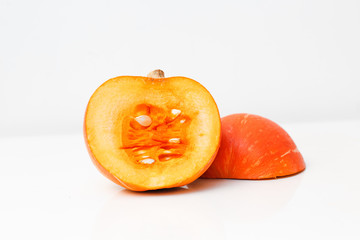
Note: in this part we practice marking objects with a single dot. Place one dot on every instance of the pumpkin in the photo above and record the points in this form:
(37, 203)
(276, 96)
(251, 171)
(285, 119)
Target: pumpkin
(253, 147)
(147, 133)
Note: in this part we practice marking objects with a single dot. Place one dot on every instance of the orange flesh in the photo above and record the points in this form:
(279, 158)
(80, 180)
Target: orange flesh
(145, 133)
(163, 140)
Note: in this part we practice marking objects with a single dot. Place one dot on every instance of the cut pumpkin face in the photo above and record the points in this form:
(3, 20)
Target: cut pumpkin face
(152, 132)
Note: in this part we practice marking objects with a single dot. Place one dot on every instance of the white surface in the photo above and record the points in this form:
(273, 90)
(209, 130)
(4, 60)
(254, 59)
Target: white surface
(285, 60)
(50, 190)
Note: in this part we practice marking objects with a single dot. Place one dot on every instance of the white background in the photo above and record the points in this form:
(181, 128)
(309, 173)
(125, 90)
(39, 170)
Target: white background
(285, 60)
(295, 62)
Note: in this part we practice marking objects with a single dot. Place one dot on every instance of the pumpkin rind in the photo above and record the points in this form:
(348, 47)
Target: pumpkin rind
(253, 147)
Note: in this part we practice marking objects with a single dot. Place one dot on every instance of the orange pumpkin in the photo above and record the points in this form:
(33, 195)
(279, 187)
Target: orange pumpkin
(253, 147)
(147, 133)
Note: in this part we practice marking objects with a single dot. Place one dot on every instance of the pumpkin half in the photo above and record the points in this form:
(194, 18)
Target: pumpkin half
(253, 147)
(147, 133)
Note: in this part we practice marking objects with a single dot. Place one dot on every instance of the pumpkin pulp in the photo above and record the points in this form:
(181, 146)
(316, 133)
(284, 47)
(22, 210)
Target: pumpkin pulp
(154, 134)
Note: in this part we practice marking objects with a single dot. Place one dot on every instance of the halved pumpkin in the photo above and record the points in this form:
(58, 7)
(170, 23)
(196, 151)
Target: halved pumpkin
(254, 147)
(147, 133)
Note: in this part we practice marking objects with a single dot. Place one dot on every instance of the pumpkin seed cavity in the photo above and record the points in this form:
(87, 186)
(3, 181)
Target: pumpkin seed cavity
(155, 135)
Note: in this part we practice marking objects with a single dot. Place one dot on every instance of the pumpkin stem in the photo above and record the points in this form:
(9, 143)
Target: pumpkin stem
(156, 74)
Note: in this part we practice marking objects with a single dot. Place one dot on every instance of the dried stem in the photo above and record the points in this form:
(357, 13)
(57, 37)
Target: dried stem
(156, 74)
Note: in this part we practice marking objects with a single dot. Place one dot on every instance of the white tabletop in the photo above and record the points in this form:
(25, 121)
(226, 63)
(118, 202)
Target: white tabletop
(51, 190)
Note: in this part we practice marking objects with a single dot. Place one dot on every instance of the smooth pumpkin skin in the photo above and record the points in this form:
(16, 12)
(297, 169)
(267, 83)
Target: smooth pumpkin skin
(204, 130)
(253, 147)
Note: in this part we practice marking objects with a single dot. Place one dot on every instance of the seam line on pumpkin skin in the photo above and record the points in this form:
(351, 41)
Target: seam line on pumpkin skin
(285, 153)
(293, 150)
